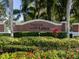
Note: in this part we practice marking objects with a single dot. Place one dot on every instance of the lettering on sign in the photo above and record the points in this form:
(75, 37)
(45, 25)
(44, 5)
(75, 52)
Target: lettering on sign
(39, 27)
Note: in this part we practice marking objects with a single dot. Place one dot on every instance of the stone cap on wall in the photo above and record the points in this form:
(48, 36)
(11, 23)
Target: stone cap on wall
(3, 22)
(37, 20)
(63, 22)
(37, 25)
(75, 24)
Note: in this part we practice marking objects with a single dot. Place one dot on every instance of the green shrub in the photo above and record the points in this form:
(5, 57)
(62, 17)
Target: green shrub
(43, 43)
(5, 34)
(23, 34)
(30, 34)
(14, 48)
(45, 34)
(62, 35)
(17, 34)
(39, 54)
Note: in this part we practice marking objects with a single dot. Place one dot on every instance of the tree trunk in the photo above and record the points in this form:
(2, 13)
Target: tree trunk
(68, 9)
(24, 16)
(37, 8)
(11, 16)
(49, 10)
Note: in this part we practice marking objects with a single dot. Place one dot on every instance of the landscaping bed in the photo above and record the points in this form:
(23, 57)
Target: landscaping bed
(32, 43)
(40, 54)
(38, 47)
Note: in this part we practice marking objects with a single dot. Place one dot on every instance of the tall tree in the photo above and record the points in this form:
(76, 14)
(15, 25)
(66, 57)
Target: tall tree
(75, 10)
(61, 9)
(17, 13)
(25, 9)
(49, 7)
(40, 8)
(2, 10)
(68, 10)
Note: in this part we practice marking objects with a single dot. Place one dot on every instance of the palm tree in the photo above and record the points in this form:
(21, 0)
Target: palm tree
(24, 7)
(56, 9)
(40, 8)
(2, 10)
(17, 13)
(10, 5)
(68, 9)
(25, 4)
(49, 7)
(35, 11)
(75, 10)
(61, 9)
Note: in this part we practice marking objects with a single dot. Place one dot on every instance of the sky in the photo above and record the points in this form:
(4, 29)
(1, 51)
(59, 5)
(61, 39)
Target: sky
(16, 4)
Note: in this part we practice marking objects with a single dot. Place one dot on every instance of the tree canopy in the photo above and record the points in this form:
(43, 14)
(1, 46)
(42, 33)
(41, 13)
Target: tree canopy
(53, 10)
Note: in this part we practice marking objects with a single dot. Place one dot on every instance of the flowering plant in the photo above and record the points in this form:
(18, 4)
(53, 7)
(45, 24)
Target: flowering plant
(55, 31)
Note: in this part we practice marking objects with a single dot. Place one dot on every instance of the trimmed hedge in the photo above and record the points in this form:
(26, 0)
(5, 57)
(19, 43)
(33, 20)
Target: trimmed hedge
(14, 48)
(45, 34)
(38, 54)
(5, 34)
(31, 43)
(62, 35)
(24, 34)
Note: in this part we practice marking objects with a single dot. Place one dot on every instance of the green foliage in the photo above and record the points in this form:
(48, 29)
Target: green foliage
(38, 47)
(8, 44)
(39, 54)
(62, 35)
(2, 10)
(46, 34)
(5, 34)
(14, 48)
(53, 10)
(23, 34)
(16, 11)
(59, 35)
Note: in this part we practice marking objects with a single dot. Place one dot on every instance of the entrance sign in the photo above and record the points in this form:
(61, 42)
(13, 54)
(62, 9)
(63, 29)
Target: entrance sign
(37, 25)
(1, 27)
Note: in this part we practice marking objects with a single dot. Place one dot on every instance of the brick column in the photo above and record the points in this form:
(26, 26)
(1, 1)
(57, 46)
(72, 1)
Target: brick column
(64, 26)
(1, 27)
(75, 27)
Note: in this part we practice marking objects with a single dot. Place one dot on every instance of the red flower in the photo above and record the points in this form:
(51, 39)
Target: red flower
(44, 56)
(56, 30)
(39, 58)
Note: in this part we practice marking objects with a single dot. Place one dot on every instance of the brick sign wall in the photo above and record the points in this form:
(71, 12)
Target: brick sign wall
(1, 27)
(75, 27)
(37, 26)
